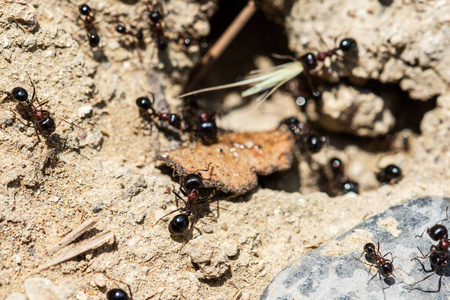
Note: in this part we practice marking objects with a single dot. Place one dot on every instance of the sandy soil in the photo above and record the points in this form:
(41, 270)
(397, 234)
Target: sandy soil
(101, 160)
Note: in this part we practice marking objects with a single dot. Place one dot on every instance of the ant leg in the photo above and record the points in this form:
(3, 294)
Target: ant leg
(37, 135)
(41, 104)
(179, 197)
(411, 288)
(213, 193)
(32, 84)
(420, 236)
(173, 211)
(183, 191)
(446, 213)
(311, 86)
(421, 257)
(205, 170)
(191, 228)
(392, 257)
(423, 267)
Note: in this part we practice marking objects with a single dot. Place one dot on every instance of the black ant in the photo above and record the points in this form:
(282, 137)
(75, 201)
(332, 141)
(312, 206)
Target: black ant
(41, 119)
(302, 132)
(439, 233)
(339, 179)
(156, 17)
(439, 254)
(145, 104)
(389, 173)
(373, 256)
(309, 60)
(138, 35)
(191, 185)
(92, 35)
(438, 262)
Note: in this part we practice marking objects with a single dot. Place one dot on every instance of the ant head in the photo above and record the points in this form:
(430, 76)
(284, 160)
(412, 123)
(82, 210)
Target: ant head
(437, 232)
(84, 9)
(179, 224)
(336, 167)
(294, 125)
(350, 186)
(309, 61)
(121, 28)
(387, 268)
(369, 248)
(392, 172)
(155, 16)
(144, 103)
(94, 39)
(315, 143)
(316, 95)
(20, 94)
(347, 44)
(193, 181)
(47, 125)
(117, 294)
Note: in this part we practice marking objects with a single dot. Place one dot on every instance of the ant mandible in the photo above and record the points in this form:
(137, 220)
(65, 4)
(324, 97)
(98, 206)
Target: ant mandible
(85, 10)
(156, 18)
(41, 119)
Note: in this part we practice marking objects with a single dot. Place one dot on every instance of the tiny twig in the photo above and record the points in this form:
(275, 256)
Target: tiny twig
(73, 235)
(225, 39)
(80, 249)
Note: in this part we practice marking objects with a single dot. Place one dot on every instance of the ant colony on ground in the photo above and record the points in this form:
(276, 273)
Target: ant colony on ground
(173, 149)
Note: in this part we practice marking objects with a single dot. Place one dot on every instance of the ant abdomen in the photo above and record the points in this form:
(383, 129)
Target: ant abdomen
(179, 224)
(47, 125)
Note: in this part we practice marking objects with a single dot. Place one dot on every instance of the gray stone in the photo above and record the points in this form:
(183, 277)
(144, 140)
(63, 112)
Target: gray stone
(333, 271)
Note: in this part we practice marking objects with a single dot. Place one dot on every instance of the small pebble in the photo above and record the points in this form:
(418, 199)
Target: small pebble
(208, 229)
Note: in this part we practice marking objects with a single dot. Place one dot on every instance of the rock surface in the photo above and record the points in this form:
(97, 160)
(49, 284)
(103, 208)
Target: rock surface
(333, 271)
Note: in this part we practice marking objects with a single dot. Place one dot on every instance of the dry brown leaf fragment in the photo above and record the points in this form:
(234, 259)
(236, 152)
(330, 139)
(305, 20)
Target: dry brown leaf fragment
(236, 159)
